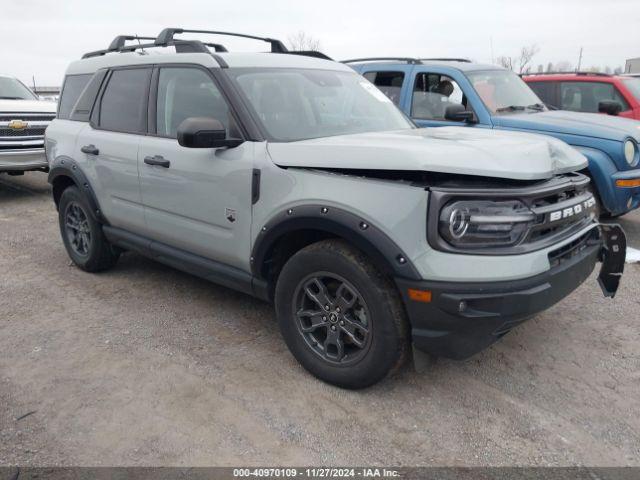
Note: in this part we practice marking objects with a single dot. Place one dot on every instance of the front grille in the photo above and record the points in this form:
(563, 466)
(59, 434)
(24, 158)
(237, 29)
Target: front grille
(27, 117)
(27, 132)
(18, 146)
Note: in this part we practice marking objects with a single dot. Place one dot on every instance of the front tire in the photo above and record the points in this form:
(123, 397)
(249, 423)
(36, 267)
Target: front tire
(82, 235)
(341, 318)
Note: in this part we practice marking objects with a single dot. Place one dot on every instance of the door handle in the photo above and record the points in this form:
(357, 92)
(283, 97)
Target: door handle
(158, 160)
(90, 150)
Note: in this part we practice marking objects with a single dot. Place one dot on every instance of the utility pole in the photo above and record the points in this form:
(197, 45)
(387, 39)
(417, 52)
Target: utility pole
(579, 60)
(33, 77)
(492, 57)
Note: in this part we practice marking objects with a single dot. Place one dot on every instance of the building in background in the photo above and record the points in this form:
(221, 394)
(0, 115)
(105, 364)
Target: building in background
(632, 65)
(47, 93)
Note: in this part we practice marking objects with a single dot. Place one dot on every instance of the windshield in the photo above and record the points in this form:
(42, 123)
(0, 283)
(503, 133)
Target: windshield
(502, 91)
(13, 89)
(297, 104)
(633, 84)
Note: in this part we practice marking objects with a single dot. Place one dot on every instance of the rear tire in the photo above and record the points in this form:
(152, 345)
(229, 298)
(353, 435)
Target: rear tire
(341, 318)
(82, 235)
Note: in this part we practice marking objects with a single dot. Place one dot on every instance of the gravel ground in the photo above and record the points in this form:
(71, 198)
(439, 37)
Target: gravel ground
(144, 365)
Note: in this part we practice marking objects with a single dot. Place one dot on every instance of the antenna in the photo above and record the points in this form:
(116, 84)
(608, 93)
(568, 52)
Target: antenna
(579, 60)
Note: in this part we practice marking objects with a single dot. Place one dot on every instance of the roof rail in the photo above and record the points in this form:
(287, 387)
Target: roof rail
(445, 59)
(310, 53)
(384, 59)
(599, 74)
(166, 38)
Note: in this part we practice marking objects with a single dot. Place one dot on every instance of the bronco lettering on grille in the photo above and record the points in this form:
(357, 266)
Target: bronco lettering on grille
(573, 210)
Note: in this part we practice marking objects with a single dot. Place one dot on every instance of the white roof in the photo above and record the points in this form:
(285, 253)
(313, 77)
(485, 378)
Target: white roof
(234, 60)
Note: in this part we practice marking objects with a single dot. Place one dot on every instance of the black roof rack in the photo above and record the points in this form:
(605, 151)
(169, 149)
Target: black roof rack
(410, 60)
(383, 59)
(121, 40)
(599, 74)
(444, 59)
(182, 46)
(166, 38)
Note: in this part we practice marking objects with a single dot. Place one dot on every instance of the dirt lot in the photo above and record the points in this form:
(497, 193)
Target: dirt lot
(144, 365)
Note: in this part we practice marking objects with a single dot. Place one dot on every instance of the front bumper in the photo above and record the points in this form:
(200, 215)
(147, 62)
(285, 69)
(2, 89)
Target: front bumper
(462, 319)
(22, 160)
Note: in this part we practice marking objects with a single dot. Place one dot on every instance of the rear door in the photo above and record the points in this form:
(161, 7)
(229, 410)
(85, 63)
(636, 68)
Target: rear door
(108, 146)
(196, 199)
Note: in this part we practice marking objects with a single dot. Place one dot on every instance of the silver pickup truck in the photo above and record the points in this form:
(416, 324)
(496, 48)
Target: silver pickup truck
(23, 120)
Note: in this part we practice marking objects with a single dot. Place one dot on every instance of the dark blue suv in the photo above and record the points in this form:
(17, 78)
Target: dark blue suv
(448, 92)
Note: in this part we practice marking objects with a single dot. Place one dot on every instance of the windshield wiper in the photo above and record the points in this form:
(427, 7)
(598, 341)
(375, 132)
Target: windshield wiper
(511, 108)
(537, 106)
(11, 98)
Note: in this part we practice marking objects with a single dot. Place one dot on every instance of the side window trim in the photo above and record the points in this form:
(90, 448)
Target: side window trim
(96, 113)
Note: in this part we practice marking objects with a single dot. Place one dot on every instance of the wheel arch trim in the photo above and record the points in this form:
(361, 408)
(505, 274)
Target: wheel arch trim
(338, 222)
(64, 166)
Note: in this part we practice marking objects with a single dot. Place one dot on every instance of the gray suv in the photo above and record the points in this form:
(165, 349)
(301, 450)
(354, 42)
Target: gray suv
(293, 179)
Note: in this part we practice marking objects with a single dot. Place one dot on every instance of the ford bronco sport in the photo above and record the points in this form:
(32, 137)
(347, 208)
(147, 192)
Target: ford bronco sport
(23, 120)
(295, 180)
(446, 92)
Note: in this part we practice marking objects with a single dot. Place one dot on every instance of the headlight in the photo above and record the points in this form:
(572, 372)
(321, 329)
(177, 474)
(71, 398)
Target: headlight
(481, 224)
(630, 152)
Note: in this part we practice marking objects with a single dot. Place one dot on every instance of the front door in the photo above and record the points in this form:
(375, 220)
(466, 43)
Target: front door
(431, 94)
(195, 199)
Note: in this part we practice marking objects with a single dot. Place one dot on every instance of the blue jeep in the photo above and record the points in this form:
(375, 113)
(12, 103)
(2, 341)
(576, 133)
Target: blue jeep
(446, 92)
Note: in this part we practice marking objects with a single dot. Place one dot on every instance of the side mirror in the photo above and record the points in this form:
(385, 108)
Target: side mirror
(204, 132)
(457, 113)
(610, 107)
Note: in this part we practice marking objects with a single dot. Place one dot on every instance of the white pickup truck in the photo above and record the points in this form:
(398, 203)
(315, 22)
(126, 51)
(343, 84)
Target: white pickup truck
(23, 120)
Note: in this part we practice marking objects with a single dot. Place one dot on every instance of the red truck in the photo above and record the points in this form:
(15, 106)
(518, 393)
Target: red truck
(588, 92)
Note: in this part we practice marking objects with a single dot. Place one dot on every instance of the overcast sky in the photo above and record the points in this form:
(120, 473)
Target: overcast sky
(40, 37)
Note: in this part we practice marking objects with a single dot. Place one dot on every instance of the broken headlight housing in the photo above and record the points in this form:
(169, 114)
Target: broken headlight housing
(471, 224)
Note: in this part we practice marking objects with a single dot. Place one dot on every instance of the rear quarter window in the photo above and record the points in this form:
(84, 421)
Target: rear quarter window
(71, 90)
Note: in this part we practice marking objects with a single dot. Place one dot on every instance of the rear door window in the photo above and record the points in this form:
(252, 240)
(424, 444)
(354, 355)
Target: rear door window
(585, 96)
(390, 83)
(71, 90)
(123, 107)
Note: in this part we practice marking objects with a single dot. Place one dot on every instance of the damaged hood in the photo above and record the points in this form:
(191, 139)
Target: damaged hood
(457, 150)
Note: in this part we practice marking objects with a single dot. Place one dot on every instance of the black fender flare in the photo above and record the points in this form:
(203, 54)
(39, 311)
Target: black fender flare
(67, 167)
(353, 228)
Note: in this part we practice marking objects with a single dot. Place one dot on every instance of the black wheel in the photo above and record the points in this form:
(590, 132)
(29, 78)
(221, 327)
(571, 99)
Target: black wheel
(340, 317)
(82, 235)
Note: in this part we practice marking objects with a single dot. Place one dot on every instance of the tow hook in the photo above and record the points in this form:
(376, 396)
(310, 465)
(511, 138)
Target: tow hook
(612, 256)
